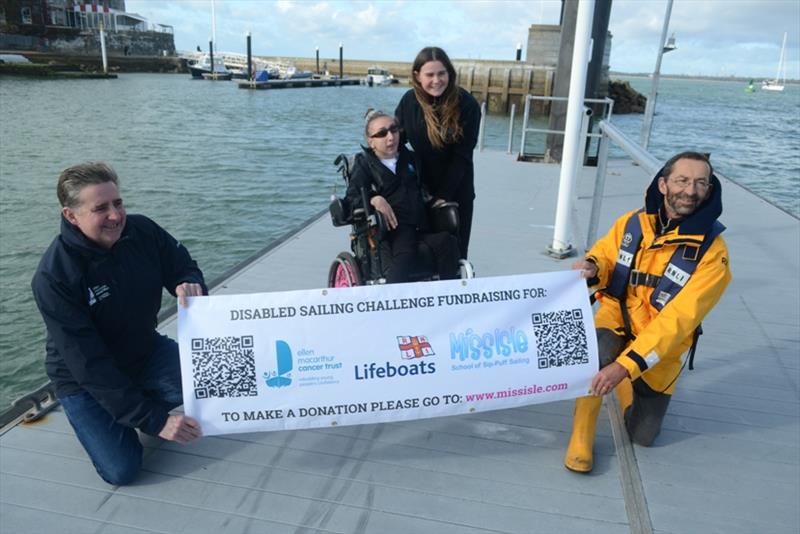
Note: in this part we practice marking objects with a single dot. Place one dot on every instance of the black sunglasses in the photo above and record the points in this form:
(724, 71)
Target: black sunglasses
(383, 132)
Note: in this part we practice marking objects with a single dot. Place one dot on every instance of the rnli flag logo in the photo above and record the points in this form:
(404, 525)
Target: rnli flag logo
(414, 347)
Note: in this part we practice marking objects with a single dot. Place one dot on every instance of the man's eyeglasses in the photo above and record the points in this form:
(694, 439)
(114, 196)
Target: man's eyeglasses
(683, 182)
(383, 132)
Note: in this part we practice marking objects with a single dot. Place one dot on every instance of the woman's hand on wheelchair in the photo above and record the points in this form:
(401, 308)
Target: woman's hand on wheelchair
(380, 204)
(438, 202)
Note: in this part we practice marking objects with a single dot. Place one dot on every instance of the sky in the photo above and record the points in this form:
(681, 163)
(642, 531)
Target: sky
(714, 37)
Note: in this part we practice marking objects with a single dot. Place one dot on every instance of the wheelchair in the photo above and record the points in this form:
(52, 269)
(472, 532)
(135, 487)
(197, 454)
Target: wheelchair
(362, 265)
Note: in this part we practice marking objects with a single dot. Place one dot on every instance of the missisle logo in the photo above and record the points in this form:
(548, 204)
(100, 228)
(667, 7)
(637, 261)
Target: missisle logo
(411, 347)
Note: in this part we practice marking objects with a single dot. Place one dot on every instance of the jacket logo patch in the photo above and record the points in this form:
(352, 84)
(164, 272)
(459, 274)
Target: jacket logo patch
(677, 275)
(624, 258)
(98, 294)
(626, 239)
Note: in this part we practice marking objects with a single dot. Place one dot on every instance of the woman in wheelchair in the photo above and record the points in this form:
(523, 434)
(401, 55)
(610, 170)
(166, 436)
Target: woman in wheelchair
(384, 174)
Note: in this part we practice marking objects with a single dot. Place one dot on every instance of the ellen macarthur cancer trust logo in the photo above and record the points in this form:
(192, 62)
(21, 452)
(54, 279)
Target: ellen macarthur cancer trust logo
(283, 375)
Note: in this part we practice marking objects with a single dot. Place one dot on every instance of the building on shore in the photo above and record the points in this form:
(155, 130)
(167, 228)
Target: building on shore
(72, 27)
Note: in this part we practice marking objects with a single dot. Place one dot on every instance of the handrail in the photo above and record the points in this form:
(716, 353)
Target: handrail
(609, 109)
(649, 163)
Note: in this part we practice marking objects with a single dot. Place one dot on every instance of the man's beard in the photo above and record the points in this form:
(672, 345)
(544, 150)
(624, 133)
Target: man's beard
(682, 204)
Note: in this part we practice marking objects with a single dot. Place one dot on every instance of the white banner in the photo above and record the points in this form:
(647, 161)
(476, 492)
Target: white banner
(316, 358)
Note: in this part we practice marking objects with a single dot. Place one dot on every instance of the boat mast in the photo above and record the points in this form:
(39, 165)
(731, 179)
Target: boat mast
(213, 24)
(781, 63)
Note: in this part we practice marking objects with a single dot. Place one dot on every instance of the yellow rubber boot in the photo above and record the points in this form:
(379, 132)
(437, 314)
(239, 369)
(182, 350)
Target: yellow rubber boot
(624, 392)
(579, 451)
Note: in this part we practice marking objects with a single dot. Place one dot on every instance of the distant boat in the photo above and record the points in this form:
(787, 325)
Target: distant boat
(750, 87)
(780, 78)
(203, 66)
(376, 76)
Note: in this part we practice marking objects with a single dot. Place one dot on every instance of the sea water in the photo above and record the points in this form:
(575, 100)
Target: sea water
(227, 170)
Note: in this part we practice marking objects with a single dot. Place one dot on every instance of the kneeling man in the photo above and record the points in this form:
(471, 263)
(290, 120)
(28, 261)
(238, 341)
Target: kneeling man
(98, 288)
(661, 269)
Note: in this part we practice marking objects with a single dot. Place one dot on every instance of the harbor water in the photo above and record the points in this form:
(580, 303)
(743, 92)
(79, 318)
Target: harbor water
(227, 171)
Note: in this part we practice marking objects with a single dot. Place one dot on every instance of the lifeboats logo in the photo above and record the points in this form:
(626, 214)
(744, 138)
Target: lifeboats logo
(414, 347)
(411, 348)
(282, 376)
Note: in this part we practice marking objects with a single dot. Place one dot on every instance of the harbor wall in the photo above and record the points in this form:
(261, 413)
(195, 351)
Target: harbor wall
(498, 83)
(74, 41)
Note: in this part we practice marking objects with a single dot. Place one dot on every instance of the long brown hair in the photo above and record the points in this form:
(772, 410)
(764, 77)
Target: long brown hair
(442, 117)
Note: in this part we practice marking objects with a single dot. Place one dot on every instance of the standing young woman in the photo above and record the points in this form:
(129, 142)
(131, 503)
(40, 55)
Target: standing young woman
(441, 122)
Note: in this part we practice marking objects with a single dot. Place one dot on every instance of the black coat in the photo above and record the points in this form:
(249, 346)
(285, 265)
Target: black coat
(403, 190)
(447, 172)
(100, 307)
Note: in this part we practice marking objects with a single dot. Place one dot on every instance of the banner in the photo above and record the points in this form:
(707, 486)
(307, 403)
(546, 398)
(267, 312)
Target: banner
(317, 358)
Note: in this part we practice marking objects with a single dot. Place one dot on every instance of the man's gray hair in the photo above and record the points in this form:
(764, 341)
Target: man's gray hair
(689, 154)
(73, 179)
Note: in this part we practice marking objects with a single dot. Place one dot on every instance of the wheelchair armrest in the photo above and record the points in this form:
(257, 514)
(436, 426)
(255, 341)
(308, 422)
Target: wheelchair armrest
(444, 217)
(340, 212)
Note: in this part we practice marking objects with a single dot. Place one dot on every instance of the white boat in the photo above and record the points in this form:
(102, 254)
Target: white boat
(780, 78)
(203, 66)
(376, 76)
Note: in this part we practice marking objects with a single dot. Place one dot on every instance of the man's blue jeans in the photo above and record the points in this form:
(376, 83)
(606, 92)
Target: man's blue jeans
(115, 450)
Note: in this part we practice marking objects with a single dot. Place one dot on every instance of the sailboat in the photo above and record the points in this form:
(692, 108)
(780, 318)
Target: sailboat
(780, 78)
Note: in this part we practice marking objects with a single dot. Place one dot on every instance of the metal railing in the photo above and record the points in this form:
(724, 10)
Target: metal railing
(606, 115)
(649, 163)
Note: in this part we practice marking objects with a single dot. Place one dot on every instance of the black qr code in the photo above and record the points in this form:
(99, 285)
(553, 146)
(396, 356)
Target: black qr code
(224, 367)
(561, 338)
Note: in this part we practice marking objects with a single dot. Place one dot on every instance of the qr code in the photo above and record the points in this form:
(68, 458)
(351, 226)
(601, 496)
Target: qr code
(224, 367)
(561, 338)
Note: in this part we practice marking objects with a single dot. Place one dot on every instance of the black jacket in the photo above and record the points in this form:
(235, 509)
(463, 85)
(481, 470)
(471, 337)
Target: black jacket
(403, 190)
(100, 307)
(447, 172)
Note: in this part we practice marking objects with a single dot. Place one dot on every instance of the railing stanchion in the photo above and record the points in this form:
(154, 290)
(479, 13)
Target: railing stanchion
(482, 128)
(511, 128)
(599, 188)
(525, 117)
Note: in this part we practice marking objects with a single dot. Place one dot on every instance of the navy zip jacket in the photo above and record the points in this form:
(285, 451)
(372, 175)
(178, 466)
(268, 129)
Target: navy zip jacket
(100, 307)
(402, 190)
(447, 172)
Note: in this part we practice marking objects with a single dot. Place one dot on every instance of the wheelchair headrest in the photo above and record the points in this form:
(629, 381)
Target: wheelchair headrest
(444, 218)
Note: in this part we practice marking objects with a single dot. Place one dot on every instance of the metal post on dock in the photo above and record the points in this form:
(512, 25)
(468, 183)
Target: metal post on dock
(511, 128)
(103, 48)
(525, 116)
(249, 58)
(317, 50)
(341, 64)
(519, 51)
(482, 127)
(561, 246)
(211, 55)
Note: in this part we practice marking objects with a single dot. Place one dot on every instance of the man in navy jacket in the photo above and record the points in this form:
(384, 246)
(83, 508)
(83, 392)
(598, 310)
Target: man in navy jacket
(98, 287)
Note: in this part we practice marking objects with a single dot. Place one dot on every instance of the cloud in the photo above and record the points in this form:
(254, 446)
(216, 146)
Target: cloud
(742, 36)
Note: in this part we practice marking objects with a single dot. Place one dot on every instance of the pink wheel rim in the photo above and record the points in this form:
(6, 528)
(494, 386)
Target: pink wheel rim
(344, 276)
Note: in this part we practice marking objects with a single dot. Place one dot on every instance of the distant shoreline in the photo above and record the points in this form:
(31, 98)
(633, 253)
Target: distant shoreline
(744, 79)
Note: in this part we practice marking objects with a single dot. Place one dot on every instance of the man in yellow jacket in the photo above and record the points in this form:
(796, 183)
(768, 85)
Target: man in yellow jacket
(659, 271)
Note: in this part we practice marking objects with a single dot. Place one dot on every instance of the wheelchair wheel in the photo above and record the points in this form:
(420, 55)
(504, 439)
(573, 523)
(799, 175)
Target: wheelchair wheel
(344, 271)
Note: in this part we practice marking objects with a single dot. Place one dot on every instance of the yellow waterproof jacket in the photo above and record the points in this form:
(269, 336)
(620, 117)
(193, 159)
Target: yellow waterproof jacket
(661, 336)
